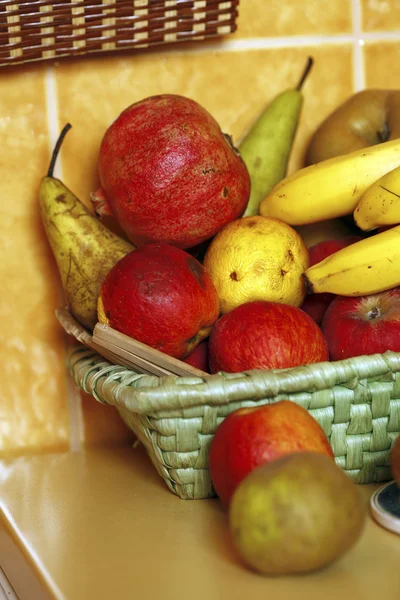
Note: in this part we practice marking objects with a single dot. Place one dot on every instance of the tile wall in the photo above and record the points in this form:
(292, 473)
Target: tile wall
(355, 44)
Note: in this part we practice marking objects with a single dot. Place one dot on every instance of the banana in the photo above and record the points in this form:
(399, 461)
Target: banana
(366, 267)
(331, 188)
(380, 203)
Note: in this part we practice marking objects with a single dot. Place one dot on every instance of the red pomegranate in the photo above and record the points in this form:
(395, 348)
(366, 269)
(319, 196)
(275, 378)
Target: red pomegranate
(169, 174)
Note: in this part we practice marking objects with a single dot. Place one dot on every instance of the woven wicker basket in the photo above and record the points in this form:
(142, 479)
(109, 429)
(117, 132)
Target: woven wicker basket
(37, 30)
(356, 401)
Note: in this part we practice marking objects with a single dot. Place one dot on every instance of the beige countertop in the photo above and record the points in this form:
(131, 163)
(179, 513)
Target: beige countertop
(101, 524)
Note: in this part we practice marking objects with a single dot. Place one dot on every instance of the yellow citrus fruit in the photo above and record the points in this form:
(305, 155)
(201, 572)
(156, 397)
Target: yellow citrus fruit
(257, 258)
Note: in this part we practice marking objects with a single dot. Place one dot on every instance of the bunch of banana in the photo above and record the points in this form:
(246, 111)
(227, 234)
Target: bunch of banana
(331, 188)
(380, 204)
(365, 182)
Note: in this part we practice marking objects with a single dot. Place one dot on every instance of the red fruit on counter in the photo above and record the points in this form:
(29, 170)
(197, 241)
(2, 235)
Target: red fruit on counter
(249, 437)
(315, 305)
(161, 296)
(354, 326)
(169, 174)
(265, 335)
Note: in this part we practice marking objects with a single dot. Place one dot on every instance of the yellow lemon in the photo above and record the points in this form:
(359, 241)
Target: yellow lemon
(257, 258)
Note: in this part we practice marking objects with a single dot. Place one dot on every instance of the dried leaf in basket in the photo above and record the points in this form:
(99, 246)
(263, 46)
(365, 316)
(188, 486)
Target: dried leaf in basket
(123, 350)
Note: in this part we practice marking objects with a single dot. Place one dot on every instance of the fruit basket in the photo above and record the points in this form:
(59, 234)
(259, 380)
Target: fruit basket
(356, 401)
(45, 30)
(138, 307)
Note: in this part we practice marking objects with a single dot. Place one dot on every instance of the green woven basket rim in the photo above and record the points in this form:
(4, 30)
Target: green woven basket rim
(148, 394)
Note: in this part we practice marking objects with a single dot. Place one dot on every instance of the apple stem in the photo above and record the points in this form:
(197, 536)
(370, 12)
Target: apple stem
(56, 150)
(374, 313)
(310, 62)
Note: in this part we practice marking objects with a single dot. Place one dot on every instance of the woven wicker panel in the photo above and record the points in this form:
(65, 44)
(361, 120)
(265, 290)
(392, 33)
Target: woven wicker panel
(356, 402)
(40, 30)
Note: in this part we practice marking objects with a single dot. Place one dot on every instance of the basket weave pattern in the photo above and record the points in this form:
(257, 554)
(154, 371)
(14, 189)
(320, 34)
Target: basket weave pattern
(36, 30)
(356, 401)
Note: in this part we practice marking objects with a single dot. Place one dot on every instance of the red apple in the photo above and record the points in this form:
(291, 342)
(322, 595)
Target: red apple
(265, 335)
(199, 357)
(249, 437)
(327, 247)
(395, 460)
(169, 174)
(363, 325)
(315, 305)
(161, 296)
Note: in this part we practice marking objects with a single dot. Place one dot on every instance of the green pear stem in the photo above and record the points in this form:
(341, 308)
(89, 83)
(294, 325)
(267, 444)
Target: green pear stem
(57, 147)
(310, 62)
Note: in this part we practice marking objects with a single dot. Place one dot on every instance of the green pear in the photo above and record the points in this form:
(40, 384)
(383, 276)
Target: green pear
(267, 145)
(84, 249)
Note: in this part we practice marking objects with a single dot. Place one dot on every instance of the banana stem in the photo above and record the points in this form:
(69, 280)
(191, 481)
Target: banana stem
(56, 150)
(310, 62)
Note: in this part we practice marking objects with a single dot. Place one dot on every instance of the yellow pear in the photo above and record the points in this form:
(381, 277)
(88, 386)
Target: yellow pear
(84, 249)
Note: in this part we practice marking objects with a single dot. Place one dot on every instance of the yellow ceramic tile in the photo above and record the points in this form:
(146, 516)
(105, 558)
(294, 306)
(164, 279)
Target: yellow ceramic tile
(33, 404)
(379, 60)
(380, 15)
(102, 424)
(262, 18)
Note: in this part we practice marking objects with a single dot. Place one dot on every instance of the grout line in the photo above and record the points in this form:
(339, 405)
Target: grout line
(73, 396)
(358, 43)
(285, 42)
(298, 41)
(378, 36)
(267, 43)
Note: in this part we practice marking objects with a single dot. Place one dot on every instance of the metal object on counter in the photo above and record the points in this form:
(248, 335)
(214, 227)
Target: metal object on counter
(385, 506)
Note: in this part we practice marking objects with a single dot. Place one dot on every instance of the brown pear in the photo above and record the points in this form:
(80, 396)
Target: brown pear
(366, 118)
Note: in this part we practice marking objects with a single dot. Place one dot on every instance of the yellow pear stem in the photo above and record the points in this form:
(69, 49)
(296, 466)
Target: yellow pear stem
(57, 147)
